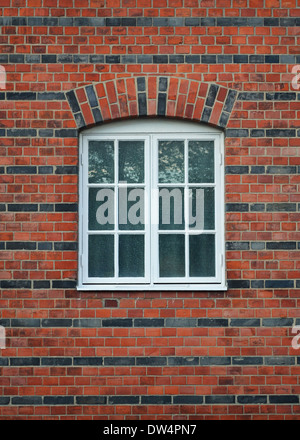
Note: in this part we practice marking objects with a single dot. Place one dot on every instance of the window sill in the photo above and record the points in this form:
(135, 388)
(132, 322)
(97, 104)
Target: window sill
(153, 287)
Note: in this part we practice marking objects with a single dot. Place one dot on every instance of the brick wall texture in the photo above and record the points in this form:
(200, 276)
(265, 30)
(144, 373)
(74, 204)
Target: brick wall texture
(72, 64)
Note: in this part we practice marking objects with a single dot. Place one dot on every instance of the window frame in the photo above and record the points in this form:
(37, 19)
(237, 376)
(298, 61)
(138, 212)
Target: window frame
(152, 130)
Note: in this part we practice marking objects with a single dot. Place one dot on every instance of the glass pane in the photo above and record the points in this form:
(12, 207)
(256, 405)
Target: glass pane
(101, 256)
(201, 161)
(101, 162)
(171, 208)
(171, 161)
(131, 208)
(172, 255)
(202, 255)
(131, 256)
(131, 161)
(202, 208)
(101, 209)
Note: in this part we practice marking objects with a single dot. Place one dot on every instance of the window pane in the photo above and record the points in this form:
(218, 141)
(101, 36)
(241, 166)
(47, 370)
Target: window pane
(172, 255)
(101, 162)
(131, 208)
(131, 161)
(201, 161)
(101, 256)
(171, 161)
(131, 256)
(202, 255)
(101, 209)
(202, 208)
(171, 208)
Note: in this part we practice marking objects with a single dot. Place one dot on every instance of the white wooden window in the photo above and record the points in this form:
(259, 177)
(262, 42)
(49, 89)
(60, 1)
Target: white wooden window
(151, 208)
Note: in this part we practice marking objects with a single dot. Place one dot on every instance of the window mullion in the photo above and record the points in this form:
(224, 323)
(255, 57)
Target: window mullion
(116, 235)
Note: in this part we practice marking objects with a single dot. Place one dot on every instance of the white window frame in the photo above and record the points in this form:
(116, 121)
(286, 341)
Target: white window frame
(151, 131)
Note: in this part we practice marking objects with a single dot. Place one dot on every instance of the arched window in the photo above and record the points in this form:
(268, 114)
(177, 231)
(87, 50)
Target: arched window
(151, 206)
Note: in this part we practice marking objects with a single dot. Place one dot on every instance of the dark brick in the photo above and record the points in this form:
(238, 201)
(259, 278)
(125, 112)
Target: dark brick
(71, 97)
(281, 245)
(163, 84)
(148, 322)
(248, 360)
(237, 169)
(123, 400)
(117, 322)
(141, 84)
(66, 207)
(237, 207)
(244, 322)
(41, 284)
(215, 360)
(279, 284)
(49, 59)
(15, 284)
(21, 245)
(237, 132)
(88, 360)
(280, 132)
(26, 400)
(91, 400)
(181, 322)
(97, 115)
(51, 96)
(257, 207)
(25, 322)
(65, 246)
(91, 96)
(238, 246)
(4, 400)
(281, 207)
(21, 170)
(61, 284)
(161, 104)
(153, 360)
(56, 361)
(280, 360)
(57, 322)
(206, 114)
(88, 322)
(23, 207)
(281, 170)
(142, 103)
(156, 400)
(215, 400)
(58, 400)
(119, 361)
(46, 207)
(24, 361)
(277, 322)
(21, 96)
(66, 133)
(45, 170)
(211, 96)
(238, 284)
(187, 400)
(280, 399)
(257, 284)
(212, 322)
(251, 400)
(183, 360)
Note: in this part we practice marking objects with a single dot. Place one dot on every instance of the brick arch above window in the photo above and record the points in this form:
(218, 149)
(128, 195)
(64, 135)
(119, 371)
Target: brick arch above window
(172, 97)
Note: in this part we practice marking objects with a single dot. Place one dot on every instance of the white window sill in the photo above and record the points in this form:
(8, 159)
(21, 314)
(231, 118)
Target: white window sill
(152, 287)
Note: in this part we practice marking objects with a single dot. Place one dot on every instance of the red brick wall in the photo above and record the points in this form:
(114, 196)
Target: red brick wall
(160, 355)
